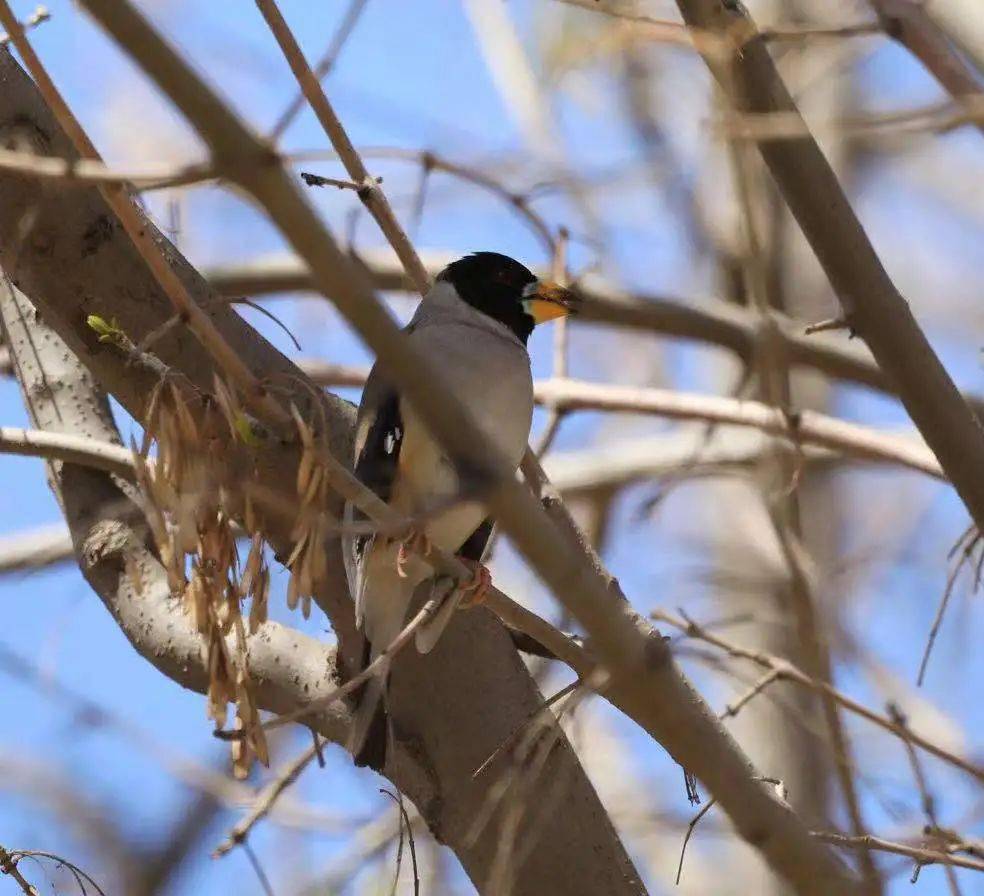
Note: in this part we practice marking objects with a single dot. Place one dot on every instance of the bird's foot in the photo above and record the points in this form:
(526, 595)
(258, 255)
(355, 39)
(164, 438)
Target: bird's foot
(474, 591)
(415, 543)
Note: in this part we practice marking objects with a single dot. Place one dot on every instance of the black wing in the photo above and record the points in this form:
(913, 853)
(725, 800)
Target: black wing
(474, 546)
(378, 441)
(379, 454)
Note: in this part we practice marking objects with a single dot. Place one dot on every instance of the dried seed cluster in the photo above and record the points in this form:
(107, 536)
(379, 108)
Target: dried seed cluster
(190, 495)
(307, 562)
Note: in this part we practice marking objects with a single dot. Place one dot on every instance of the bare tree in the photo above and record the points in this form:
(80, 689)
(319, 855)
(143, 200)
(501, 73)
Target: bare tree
(243, 459)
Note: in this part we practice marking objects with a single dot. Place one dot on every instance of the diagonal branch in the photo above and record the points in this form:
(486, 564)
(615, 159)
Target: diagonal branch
(372, 197)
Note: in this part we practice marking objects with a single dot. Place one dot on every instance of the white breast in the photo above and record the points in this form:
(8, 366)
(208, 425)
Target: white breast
(491, 376)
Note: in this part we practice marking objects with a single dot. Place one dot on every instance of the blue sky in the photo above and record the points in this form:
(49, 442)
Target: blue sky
(412, 76)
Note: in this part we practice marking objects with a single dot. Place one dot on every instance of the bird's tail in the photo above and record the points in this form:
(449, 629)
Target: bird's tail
(368, 740)
(382, 618)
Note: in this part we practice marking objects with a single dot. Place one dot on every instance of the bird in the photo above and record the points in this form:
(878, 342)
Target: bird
(473, 324)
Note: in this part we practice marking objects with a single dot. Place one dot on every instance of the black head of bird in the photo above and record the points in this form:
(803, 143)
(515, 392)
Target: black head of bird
(507, 291)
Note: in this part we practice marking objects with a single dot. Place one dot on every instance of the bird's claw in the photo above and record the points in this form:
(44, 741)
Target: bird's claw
(474, 591)
(415, 543)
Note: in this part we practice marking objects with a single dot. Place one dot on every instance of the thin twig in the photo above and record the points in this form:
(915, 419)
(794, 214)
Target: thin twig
(928, 803)
(8, 860)
(266, 798)
(789, 672)
(426, 612)
(531, 718)
(258, 868)
(405, 826)
(922, 855)
(324, 66)
(560, 347)
(686, 837)
(951, 581)
(8, 865)
(372, 197)
(732, 709)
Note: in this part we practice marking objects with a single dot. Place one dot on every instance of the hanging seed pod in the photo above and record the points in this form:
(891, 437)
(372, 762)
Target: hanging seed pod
(254, 563)
(292, 592)
(261, 595)
(304, 470)
(241, 759)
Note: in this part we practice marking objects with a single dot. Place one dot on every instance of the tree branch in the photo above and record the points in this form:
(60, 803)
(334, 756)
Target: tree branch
(852, 440)
(372, 197)
(961, 21)
(922, 855)
(66, 446)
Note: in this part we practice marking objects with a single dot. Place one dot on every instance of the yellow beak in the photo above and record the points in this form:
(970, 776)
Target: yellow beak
(546, 301)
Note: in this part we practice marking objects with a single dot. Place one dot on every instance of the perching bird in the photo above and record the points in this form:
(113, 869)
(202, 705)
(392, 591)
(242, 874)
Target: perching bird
(473, 324)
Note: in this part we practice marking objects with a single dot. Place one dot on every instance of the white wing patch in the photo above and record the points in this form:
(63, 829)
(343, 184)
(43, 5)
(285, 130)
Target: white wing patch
(392, 440)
